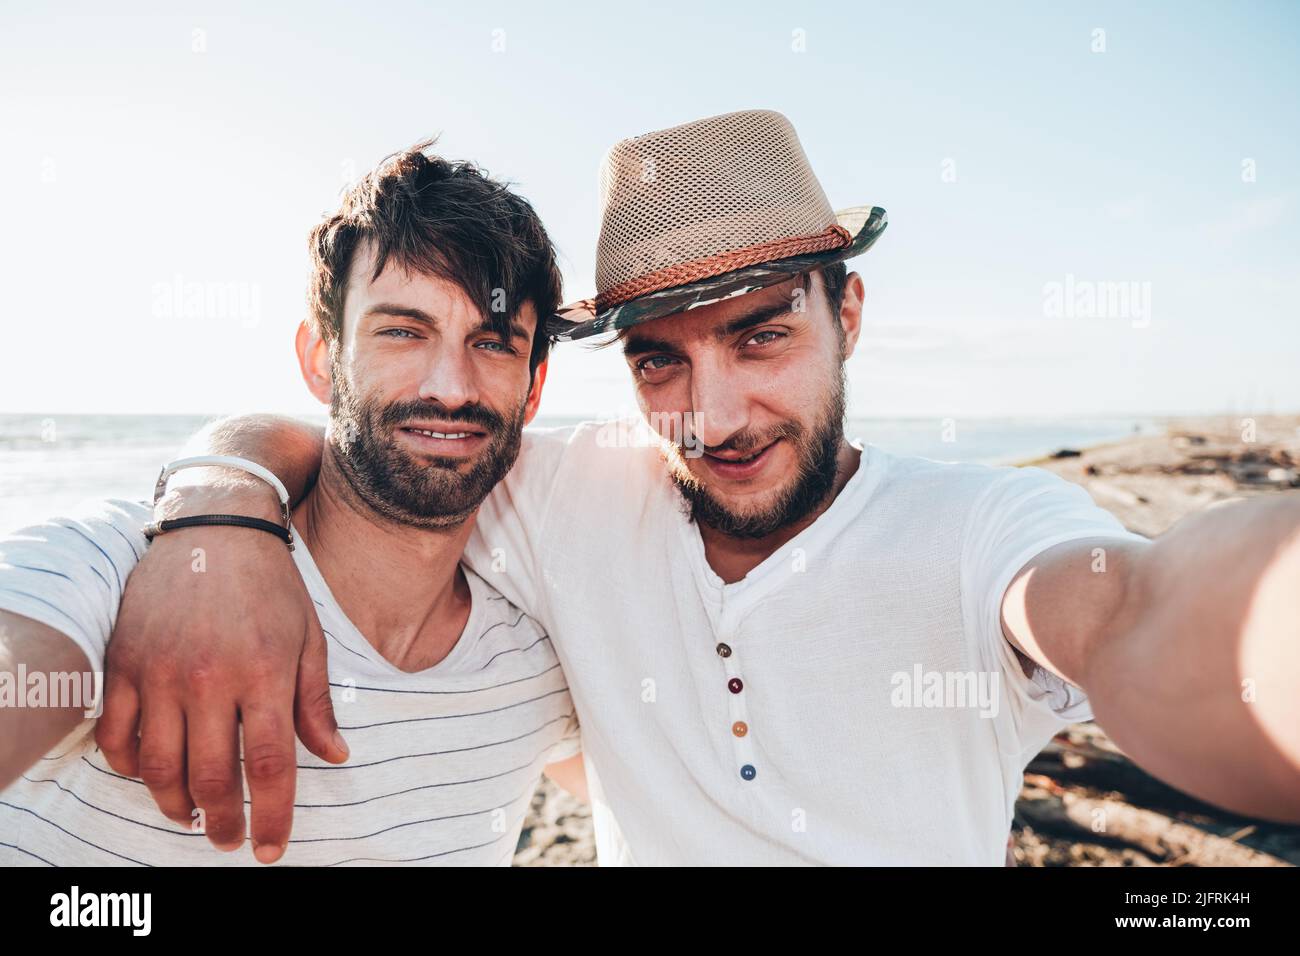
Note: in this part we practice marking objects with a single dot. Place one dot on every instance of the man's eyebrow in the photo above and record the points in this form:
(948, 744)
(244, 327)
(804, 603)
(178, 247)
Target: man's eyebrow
(400, 312)
(517, 331)
(757, 317)
(641, 344)
(419, 315)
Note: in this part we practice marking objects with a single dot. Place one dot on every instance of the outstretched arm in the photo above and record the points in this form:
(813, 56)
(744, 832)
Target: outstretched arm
(251, 651)
(1188, 648)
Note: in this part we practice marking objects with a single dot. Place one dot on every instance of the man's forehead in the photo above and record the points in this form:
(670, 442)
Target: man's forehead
(398, 285)
(395, 279)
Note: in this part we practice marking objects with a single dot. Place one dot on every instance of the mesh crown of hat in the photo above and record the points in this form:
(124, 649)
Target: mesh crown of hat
(702, 190)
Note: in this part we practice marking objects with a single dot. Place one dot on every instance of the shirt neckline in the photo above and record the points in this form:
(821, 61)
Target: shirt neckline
(356, 641)
(770, 573)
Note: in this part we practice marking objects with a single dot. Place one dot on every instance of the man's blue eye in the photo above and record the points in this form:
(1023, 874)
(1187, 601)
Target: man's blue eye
(398, 333)
(649, 363)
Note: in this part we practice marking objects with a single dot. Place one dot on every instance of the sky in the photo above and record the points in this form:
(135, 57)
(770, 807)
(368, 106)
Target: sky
(1094, 207)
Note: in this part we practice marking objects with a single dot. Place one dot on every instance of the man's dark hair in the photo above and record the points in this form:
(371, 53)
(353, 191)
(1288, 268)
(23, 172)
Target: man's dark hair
(440, 218)
(834, 278)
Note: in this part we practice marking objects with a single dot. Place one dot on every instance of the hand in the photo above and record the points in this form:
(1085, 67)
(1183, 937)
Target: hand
(206, 640)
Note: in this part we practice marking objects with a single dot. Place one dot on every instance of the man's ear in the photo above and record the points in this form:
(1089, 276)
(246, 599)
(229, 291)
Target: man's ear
(535, 393)
(851, 311)
(314, 360)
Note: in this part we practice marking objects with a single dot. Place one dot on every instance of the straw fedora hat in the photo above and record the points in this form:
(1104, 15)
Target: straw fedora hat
(705, 211)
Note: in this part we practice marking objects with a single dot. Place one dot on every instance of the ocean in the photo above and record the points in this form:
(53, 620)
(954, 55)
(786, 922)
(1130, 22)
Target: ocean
(50, 463)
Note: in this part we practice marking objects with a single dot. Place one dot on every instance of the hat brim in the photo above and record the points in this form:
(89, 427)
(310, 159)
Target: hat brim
(579, 320)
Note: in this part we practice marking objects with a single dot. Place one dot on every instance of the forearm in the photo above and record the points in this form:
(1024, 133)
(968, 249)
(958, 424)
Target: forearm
(290, 449)
(1199, 678)
(30, 727)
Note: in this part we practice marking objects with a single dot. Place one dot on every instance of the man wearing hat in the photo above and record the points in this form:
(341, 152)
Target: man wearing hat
(785, 649)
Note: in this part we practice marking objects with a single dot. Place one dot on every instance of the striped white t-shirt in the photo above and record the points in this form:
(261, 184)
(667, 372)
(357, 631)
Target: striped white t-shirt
(443, 764)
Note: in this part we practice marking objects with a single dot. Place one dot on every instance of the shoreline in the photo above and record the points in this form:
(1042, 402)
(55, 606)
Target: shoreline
(1216, 424)
(1151, 481)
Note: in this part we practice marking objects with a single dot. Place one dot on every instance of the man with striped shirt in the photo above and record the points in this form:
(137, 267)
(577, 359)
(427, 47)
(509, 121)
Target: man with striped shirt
(452, 697)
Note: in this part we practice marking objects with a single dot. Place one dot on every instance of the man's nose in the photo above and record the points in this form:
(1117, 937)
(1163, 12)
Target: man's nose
(719, 408)
(449, 378)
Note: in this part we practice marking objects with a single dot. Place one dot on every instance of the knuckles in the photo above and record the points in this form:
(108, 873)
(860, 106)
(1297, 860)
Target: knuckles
(159, 771)
(267, 762)
(208, 785)
(268, 666)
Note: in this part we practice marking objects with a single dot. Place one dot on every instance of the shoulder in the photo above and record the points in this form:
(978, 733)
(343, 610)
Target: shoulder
(570, 464)
(970, 508)
(911, 482)
(509, 624)
(69, 572)
(971, 485)
(114, 525)
(615, 439)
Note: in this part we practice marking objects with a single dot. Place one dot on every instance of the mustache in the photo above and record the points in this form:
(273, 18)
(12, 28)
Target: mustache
(401, 412)
(745, 442)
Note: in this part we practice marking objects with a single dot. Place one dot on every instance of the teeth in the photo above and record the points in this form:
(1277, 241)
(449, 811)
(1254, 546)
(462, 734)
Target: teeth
(424, 431)
(740, 461)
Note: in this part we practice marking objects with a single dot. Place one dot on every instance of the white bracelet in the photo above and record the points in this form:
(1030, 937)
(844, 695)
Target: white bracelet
(225, 461)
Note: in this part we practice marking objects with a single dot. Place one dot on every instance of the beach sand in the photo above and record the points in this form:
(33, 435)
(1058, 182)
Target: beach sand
(1148, 482)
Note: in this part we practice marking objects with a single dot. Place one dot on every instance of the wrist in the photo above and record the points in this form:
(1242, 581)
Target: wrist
(223, 492)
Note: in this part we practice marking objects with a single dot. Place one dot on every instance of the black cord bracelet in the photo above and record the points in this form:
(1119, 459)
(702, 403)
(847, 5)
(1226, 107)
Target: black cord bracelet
(239, 521)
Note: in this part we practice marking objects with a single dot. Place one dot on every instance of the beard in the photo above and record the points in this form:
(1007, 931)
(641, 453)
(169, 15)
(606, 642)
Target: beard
(434, 491)
(817, 450)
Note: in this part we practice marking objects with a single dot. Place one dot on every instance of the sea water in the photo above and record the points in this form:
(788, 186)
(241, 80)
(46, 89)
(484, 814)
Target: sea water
(50, 463)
